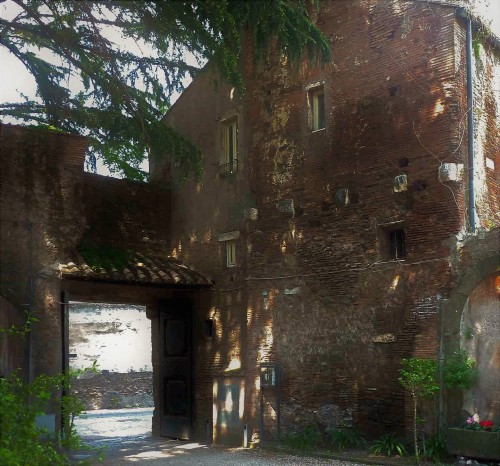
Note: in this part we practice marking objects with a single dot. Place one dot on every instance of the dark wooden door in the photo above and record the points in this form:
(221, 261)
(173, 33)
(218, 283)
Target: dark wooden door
(176, 369)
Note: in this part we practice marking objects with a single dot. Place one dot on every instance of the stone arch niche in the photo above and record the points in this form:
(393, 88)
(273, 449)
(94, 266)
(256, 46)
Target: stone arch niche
(467, 321)
(480, 338)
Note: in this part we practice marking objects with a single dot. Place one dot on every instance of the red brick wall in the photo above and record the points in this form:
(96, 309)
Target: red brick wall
(340, 315)
(47, 206)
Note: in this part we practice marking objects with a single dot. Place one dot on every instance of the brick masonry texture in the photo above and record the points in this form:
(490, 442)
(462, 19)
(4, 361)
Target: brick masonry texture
(313, 288)
(48, 206)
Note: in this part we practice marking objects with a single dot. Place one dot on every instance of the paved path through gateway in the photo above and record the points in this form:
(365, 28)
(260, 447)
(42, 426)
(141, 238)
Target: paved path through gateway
(127, 434)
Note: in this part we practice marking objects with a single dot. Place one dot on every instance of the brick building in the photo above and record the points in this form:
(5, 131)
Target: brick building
(334, 217)
(333, 231)
(67, 235)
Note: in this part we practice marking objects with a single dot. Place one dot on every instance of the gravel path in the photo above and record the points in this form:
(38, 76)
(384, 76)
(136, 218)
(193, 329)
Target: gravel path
(175, 453)
(127, 435)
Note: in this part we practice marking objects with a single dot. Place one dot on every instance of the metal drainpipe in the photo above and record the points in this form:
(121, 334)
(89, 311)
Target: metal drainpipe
(462, 12)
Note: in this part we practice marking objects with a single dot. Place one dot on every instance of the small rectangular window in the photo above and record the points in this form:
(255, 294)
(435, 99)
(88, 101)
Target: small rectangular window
(396, 244)
(231, 253)
(317, 102)
(229, 159)
(210, 328)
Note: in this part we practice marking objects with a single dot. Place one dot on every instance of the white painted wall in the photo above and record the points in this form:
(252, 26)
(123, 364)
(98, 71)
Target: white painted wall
(117, 336)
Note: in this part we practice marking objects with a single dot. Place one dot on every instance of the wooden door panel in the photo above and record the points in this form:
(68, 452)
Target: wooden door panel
(176, 369)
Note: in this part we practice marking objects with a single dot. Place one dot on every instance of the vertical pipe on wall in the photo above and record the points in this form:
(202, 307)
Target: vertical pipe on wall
(470, 124)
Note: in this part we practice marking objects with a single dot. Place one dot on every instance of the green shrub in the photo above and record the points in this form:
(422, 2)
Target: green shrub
(434, 448)
(346, 438)
(419, 378)
(460, 371)
(304, 440)
(22, 442)
(389, 446)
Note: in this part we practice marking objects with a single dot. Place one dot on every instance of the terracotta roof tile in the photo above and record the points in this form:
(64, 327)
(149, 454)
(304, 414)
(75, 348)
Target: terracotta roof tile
(141, 269)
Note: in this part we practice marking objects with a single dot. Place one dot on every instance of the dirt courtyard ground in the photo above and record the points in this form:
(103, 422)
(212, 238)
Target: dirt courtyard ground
(126, 436)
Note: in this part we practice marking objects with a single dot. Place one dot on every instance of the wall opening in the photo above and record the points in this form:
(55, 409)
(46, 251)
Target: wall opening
(480, 338)
(118, 399)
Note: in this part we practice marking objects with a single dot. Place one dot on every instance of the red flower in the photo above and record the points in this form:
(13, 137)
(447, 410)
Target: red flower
(487, 425)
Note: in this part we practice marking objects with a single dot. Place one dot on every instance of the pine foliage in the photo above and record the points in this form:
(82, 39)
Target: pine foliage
(125, 91)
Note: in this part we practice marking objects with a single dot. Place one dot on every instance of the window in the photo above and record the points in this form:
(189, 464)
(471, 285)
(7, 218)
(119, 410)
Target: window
(231, 253)
(396, 244)
(229, 159)
(210, 328)
(317, 102)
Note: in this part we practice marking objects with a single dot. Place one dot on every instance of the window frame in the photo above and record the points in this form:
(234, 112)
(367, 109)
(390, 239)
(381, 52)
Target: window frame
(318, 120)
(397, 244)
(231, 260)
(229, 147)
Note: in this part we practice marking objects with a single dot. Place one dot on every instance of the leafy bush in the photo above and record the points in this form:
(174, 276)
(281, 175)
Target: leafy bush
(419, 377)
(22, 442)
(346, 438)
(389, 446)
(434, 448)
(304, 440)
(460, 371)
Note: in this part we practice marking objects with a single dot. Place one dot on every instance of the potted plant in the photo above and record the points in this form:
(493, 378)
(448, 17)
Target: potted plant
(475, 439)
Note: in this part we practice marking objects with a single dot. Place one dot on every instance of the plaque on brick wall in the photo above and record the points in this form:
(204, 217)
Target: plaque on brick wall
(286, 206)
(451, 172)
(400, 183)
(229, 236)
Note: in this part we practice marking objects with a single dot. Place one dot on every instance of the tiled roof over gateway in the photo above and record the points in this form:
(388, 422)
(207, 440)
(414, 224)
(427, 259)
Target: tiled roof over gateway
(141, 269)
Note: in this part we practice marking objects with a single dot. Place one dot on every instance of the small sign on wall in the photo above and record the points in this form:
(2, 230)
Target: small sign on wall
(268, 375)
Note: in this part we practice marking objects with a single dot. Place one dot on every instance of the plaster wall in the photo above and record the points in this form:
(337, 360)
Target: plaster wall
(487, 135)
(486, 91)
(480, 330)
(118, 337)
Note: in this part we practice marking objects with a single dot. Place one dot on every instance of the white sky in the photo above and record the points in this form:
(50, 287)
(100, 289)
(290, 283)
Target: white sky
(15, 79)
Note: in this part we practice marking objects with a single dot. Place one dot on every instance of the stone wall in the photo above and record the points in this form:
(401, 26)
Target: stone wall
(480, 325)
(115, 390)
(314, 289)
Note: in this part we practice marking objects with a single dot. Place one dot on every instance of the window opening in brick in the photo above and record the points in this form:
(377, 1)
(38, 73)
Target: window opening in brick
(229, 159)
(317, 100)
(396, 244)
(210, 328)
(231, 253)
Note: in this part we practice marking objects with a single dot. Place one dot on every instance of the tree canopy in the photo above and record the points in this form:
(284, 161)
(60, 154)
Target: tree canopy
(127, 58)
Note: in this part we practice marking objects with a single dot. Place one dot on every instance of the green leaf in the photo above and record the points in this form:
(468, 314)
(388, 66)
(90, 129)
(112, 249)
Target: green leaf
(128, 82)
